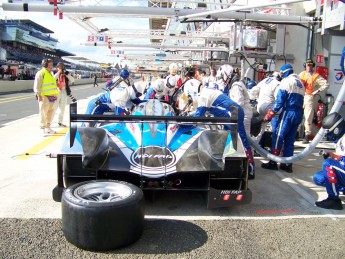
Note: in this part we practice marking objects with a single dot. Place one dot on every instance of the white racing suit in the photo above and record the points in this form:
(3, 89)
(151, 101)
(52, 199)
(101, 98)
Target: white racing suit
(191, 89)
(239, 94)
(121, 97)
(265, 92)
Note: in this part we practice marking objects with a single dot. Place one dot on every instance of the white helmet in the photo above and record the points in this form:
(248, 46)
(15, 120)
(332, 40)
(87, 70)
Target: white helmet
(173, 68)
(171, 81)
(159, 87)
(225, 71)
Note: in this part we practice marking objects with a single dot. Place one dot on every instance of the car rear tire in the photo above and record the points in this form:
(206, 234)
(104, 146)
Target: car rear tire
(102, 215)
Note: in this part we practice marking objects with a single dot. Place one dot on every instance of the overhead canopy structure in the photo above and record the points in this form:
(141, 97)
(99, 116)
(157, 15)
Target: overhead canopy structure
(166, 32)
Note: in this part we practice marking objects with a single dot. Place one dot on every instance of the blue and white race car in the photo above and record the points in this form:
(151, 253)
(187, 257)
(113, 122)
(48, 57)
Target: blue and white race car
(155, 150)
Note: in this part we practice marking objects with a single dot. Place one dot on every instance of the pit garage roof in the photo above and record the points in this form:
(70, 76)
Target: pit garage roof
(83, 60)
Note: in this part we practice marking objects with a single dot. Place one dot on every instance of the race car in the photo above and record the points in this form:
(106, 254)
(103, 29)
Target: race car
(155, 150)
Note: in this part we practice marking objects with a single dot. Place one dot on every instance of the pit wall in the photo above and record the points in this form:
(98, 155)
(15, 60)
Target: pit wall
(23, 85)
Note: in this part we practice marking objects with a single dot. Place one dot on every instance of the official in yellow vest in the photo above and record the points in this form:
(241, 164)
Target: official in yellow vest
(46, 91)
(314, 83)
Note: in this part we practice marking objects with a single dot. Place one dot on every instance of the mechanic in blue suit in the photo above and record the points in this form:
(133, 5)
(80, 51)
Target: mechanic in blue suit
(219, 104)
(332, 176)
(101, 103)
(289, 100)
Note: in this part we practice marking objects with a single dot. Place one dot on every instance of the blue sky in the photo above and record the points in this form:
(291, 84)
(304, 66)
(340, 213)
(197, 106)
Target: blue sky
(71, 35)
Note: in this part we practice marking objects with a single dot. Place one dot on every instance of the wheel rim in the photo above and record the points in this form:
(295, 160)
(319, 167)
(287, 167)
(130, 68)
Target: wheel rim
(103, 192)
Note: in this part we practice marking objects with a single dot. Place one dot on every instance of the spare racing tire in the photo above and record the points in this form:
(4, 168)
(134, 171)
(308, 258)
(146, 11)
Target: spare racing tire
(102, 215)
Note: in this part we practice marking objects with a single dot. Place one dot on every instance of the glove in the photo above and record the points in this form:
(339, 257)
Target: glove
(269, 116)
(108, 84)
(325, 155)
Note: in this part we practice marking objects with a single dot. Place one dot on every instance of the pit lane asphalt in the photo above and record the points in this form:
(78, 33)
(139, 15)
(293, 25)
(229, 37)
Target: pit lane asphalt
(281, 221)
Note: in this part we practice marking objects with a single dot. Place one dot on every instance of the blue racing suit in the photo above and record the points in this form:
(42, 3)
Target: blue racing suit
(332, 175)
(99, 105)
(150, 93)
(219, 105)
(104, 103)
(289, 100)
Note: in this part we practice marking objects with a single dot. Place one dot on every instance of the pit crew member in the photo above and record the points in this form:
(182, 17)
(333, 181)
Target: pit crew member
(290, 101)
(332, 175)
(219, 105)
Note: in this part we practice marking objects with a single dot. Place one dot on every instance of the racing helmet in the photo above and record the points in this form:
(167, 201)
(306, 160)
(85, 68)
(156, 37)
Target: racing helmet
(276, 74)
(251, 84)
(225, 71)
(286, 70)
(189, 71)
(335, 123)
(171, 81)
(159, 87)
(124, 73)
(173, 68)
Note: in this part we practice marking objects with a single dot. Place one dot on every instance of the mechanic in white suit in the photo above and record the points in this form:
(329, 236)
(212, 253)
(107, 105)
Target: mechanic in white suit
(191, 88)
(266, 92)
(122, 97)
(238, 92)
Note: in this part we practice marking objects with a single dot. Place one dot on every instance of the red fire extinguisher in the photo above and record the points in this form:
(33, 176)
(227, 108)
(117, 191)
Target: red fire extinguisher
(320, 113)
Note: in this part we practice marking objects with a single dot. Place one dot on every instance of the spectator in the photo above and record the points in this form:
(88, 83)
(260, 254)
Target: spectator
(46, 93)
(313, 83)
(290, 101)
(95, 81)
(332, 175)
(2, 72)
(64, 91)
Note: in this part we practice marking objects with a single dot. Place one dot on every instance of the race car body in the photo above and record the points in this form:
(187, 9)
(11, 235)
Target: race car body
(156, 150)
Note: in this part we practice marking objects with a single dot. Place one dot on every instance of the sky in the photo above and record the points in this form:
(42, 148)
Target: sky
(71, 36)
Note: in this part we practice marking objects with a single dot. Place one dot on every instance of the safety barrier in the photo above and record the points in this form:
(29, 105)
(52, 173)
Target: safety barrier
(22, 85)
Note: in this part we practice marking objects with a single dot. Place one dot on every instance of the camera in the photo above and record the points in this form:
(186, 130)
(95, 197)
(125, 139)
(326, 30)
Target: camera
(64, 71)
(72, 98)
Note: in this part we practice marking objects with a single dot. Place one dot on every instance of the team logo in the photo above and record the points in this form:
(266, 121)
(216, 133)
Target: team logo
(153, 156)
(339, 75)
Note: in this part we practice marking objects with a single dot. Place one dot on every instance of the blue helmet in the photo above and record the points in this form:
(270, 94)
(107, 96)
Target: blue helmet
(251, 84)
(124, 73)
(286, 70)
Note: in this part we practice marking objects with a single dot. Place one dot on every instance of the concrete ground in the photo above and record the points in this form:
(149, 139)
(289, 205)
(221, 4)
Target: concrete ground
(280, 222)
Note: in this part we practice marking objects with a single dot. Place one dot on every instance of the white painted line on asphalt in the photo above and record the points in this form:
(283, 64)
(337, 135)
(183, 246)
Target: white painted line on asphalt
(19, 120)
(296, 187)
(194, 218)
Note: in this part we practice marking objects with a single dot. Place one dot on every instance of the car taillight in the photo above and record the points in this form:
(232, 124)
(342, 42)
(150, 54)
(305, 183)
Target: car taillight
(226, 197)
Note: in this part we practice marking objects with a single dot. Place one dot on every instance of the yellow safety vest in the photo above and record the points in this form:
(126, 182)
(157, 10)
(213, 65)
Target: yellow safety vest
(308, 83)
(49, 87)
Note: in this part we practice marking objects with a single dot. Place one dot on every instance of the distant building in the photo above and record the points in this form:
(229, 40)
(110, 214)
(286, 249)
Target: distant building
(24, 41)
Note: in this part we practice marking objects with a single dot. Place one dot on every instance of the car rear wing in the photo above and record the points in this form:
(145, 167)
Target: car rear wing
(195, 121)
